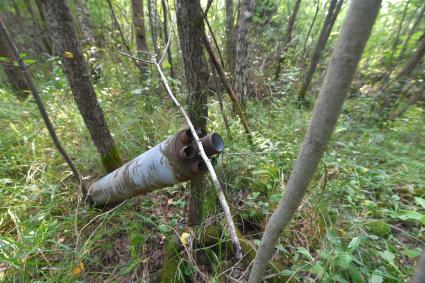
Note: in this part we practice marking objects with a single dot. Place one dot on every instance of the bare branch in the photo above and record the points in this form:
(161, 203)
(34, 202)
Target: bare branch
(39, 102)
(217, 186)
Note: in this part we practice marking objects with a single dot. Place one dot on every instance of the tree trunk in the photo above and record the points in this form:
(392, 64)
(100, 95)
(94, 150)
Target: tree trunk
(167, 36)
(400, 26)
(13, 51)
(333, 12)
(222, 75)
(419, 276)
(37, 25)
(190, 24)
(340, 72)
(84, 21)
(411, 32)
(13, 73)
(283, 49)
(152, 26)
(389, 99)
(309, 32)
(242, 50)
(68, 47)
(16, 8)
(140, 30)
(230, 37)
(414, 60)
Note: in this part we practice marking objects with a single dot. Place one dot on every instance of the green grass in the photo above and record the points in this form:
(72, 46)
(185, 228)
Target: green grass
(373, 174)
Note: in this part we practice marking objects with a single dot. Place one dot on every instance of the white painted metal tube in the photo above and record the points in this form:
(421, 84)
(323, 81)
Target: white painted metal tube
(147, 172)
(159, 167)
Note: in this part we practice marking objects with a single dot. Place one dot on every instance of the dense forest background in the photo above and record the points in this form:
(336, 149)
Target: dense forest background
(249, 70)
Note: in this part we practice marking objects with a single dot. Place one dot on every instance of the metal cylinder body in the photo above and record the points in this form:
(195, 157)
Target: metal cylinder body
(164, 165)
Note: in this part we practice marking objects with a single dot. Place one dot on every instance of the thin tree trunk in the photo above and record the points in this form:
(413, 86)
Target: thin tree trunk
(14, 74)
(283, 49)
(309, 32)
(152, 26)
(84, 21)
(412, 100)
(116, 25)
(140, 30)
(233, 97)
(414, 60)
(68, 48)
(190, 24)
(411, 32)
(230, 37)
(412, 63)
(419, 276)
(16, 8)
(213, 37)
(400, 26)
(167, 37)
(339, 75)
(242, 50)
(38, 26)
(13, 50)
(331, 16)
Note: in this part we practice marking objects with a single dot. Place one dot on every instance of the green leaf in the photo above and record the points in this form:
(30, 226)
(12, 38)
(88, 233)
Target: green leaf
(29, 61)
(412, 253)
(388, 257)
(305, 252)
(411, 215)
(163, 228)
(344, 260)
(376, 278)
(356, 275)
(317, 269)
(420, 201)
(354, 244)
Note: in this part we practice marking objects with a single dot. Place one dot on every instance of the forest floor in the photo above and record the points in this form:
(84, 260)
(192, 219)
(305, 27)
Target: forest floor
(363, 219)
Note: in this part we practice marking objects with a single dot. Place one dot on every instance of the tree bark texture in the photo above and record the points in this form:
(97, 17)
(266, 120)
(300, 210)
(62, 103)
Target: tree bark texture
(339, 75)
(84, 21)
(283, 48)
(313, 21)
(67, 46)
(411, 32)
(38, 26)
(13, 73)
(331, 16)
(152, 26)
(167, 36)
(388, 98)
(8, 43)
(230, 37)
(419, 276)
(400, 26)
(415, 59)
(139, 27)
(242, 84)
(190, 24)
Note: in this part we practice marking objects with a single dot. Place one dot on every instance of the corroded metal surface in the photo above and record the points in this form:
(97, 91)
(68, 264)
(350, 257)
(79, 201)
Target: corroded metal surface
(170, 162)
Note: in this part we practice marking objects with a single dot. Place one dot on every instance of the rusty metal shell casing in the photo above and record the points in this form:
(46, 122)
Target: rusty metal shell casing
(213, 144)
(171, 162)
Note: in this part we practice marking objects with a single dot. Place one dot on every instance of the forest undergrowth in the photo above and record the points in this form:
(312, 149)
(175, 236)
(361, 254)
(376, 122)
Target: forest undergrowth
(363, 219)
